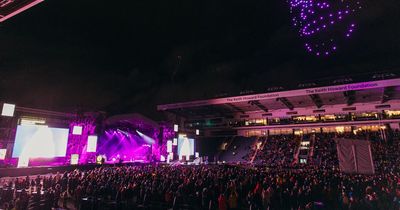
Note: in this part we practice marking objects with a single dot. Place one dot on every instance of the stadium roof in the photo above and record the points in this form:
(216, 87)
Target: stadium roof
(380, 91)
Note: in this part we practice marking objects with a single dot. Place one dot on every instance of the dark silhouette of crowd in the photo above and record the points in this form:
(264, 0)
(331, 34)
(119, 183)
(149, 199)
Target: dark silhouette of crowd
(324, 151)
(317, 185)
(277, 151)
(206, 187)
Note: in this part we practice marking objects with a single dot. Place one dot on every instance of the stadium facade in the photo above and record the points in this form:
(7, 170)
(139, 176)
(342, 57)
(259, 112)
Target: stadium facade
(341, 105)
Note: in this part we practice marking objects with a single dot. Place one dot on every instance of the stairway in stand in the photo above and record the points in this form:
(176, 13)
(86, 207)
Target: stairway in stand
(258, 147)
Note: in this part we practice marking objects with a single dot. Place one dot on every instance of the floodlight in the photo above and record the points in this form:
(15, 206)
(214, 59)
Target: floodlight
(77, 130)
(8, 110)
(23, 161)
(91, 144)
(3, 153)
(169, 146)
(74, 159)
(147, 139)
(98, 159)
(175, 142)
(197, 132)
(32, 121)
(176, 127)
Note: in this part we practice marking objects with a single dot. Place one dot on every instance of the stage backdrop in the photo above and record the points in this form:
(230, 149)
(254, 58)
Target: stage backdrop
(355, 156)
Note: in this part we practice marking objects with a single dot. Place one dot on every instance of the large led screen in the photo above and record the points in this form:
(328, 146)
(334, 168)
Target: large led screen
(40, 142)
(185, 147)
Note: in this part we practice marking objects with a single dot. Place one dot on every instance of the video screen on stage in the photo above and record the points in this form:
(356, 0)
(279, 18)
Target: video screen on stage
(185, 147)
(40, 142)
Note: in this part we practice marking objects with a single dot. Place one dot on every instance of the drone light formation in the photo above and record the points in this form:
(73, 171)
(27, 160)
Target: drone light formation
(324, 24)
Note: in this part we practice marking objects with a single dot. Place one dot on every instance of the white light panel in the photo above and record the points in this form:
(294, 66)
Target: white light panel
(92, 144)
(77, 130)
(8, 110)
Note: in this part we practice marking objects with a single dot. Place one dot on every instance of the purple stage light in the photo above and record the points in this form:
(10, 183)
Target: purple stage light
(126, 145)
(320, 21)
(146, 138)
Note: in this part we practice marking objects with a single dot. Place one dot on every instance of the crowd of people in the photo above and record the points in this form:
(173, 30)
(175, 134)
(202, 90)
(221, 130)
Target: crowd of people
(316, 185)
(324, 152)
(205, 187)
(277, 151)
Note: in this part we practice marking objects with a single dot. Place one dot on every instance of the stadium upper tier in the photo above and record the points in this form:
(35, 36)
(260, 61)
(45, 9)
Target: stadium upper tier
(361, 96)
(375, 102)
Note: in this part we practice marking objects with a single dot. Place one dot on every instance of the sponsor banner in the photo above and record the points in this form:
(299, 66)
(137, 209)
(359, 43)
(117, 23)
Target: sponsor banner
(291, 93)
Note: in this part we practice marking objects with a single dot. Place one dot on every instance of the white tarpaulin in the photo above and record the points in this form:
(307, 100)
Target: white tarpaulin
(355, 156)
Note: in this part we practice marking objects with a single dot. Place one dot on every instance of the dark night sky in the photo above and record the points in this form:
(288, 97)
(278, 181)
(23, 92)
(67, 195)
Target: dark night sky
(121, 56)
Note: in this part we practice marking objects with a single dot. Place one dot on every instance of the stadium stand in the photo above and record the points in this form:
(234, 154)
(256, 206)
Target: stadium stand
(237, 149)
